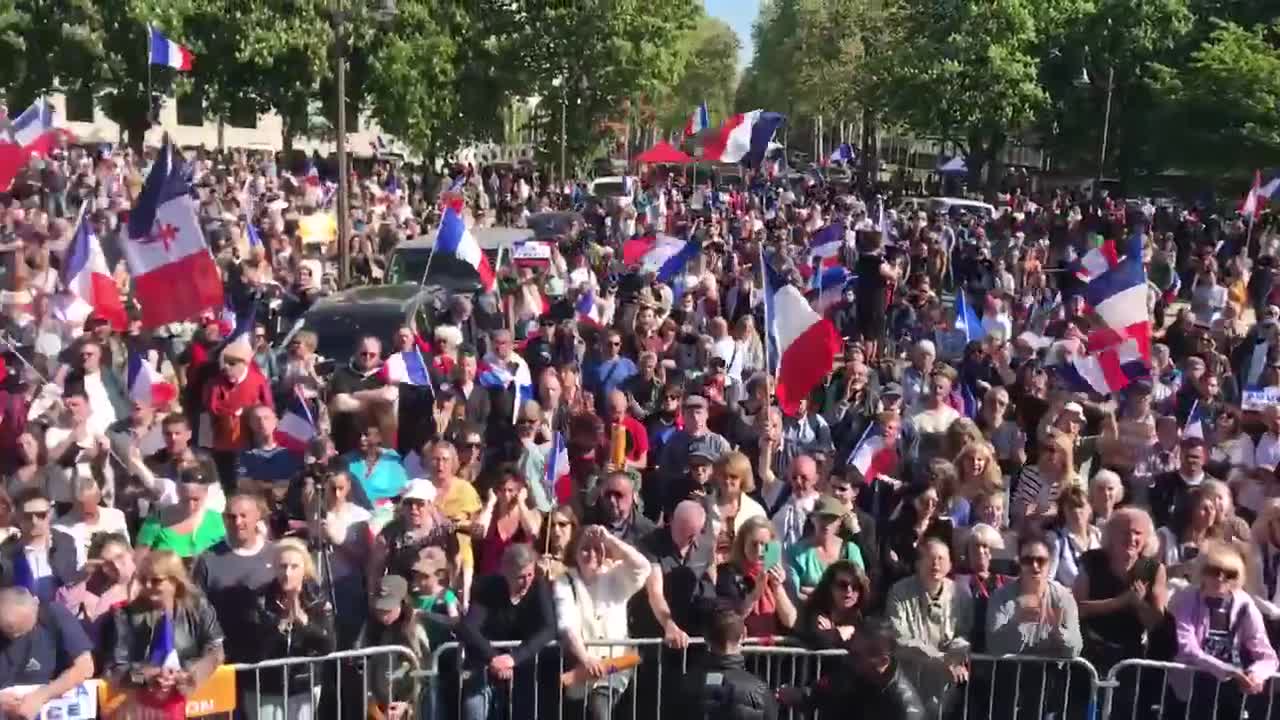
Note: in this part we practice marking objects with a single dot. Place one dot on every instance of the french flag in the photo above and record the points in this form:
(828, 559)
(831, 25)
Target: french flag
(312, 176)
(743, 138)
(491, 374)
(700, 120)
(146, 386)
(967, 320)
(174, 275)
(1260, 193)
(33, 135)
(1097, 261)
(557, 479)
(87, 277)
(454, 238)
(1109, 370)
(407, 367)
(826, 244)
(830, 283)
(668, 256)
(169, 53)
(1119, 297)
(803, 342)
(298, 425)
(1196, 420)
(586, 309)
(872, 456)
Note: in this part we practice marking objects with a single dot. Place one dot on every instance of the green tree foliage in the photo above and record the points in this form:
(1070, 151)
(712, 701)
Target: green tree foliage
(710, 74)
(1221, 110)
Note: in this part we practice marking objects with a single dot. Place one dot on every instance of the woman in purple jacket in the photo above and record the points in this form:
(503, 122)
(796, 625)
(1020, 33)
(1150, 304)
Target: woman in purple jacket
(1221, 634)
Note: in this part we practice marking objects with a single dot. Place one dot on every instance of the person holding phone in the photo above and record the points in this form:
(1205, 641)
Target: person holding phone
(753, 581)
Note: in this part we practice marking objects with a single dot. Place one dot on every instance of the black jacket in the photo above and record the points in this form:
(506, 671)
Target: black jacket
(850, 697)
(62, 560)
(195, 632)
(280, 639)
(722, 689)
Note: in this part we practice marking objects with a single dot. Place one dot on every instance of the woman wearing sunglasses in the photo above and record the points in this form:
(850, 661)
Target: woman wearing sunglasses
(1221, 634)
(1037, 616)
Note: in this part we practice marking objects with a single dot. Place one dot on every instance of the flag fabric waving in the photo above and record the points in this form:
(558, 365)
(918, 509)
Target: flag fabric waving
(668, 257)
(967, 320)
(698, 121)
(1260, 193)
(297, 425)
(830, 283)
(1097, 261)
(1109, 370)
(586, 309)
(557, 480)
(1196, 420)
(1119, 297)
(827, 244)
(31, 134)
(407, 367)
(86, 276)
(164, 51)
(174, 275)
(454, 238)
(742, 138)
(872, 456)
(804, 343)
(147, 386)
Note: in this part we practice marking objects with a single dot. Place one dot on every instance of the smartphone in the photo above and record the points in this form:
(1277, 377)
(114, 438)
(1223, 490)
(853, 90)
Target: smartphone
(772, 554)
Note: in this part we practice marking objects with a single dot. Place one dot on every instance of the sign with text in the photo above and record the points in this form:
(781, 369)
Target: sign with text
(79, 703)
(1256, 400)
(216, 696)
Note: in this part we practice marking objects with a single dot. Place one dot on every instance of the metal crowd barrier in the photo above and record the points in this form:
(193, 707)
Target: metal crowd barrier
(326, 676)
(1145, 690)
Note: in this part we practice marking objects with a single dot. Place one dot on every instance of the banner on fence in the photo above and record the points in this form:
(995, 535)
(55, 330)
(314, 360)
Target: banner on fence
(1258, 399)
(216, 696)
(78, 703)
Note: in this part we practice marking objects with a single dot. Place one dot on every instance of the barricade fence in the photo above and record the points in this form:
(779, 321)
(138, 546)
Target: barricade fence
(646, 680)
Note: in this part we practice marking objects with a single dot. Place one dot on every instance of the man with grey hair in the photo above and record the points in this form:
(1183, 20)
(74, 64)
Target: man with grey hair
(515, 605)
(41, 645)
(615, 509)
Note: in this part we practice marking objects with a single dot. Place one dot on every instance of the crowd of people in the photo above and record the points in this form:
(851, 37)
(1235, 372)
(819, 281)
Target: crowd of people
(1006, 512)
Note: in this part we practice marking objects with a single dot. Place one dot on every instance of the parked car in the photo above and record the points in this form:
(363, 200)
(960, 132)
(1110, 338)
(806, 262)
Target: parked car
(409, 259)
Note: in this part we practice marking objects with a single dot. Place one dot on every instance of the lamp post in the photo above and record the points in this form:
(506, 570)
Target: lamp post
(339, 17)
(1083, 81)
(564, 109)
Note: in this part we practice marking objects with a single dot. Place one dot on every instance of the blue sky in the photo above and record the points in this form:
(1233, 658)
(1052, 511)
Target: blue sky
(739, 14)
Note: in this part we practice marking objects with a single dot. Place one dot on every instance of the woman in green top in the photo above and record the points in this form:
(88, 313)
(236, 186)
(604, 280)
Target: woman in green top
(821, 546)
(185, 528)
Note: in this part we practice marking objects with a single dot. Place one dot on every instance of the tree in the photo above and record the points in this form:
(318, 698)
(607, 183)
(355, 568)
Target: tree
(28, 30)
(1222, 109)
(710, 74)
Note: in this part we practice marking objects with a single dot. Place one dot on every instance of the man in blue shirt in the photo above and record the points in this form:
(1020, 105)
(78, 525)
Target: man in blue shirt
(44, 653)
(267, 461)
(611, 371)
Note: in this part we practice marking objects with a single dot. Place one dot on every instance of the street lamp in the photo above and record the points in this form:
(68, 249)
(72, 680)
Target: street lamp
(386, 9)
(1083, 81)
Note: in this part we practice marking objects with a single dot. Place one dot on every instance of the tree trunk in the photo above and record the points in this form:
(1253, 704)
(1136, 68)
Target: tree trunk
(995, 165)
(135, 127)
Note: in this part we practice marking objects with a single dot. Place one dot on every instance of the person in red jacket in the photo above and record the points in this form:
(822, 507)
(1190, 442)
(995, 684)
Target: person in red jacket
(239, 385)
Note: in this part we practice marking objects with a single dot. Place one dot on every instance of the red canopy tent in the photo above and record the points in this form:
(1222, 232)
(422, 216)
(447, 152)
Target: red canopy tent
(663, 153)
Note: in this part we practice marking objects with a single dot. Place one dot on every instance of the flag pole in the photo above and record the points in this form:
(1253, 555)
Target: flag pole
(1248, 236)
(147, 61)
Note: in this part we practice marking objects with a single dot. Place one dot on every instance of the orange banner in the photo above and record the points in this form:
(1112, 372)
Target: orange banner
(217, 695)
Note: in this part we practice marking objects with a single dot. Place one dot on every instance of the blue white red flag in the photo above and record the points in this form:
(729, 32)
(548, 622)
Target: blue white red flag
(698, 121)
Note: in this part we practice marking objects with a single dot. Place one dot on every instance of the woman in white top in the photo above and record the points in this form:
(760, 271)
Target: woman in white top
(733, 481)
(591, 605)
(88, 517)
(1072, 536)
(1231, 444)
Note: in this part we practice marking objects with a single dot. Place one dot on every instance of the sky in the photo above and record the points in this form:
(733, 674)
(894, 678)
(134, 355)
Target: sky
(739, 14)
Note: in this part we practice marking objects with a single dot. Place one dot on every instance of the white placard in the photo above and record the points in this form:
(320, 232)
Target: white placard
(79, 703)
(1258, 399)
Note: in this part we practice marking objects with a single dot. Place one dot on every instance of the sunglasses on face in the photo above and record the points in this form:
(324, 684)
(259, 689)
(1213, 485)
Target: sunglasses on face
(1033, 561)
(35, 514)
(844, 585)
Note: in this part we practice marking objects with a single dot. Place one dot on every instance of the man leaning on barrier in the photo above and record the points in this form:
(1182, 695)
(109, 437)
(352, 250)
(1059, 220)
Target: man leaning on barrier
(869, 684)
(44, 653)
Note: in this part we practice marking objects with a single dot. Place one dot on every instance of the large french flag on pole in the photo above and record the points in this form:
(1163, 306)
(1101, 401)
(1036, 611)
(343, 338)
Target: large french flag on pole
(88, 279)
(804, 342)
(1097, 261)
(743, 138)
(454, 238)
(668, 257)
(169, 53)
(174, 275)
(700, 120)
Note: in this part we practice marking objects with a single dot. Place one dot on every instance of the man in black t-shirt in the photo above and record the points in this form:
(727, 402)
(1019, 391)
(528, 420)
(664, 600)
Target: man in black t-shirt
(44, 653)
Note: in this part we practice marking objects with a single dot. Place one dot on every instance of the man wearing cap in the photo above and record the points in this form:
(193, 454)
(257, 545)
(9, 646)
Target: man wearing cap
(417, 525)
(695, 485)
(237, 388)
(695, 436)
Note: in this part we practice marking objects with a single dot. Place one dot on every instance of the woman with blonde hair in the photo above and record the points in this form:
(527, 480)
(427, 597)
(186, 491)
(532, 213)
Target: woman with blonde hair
(1221, 634)
(733, 481)
(752, 587)
(166, 593)
(1231, 527)
(1035, 494)
(748, 342)
(293, 619)
(978, 472)
(1263, 578)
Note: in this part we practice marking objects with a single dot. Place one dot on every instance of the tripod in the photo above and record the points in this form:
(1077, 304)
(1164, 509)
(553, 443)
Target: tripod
(321, 548)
